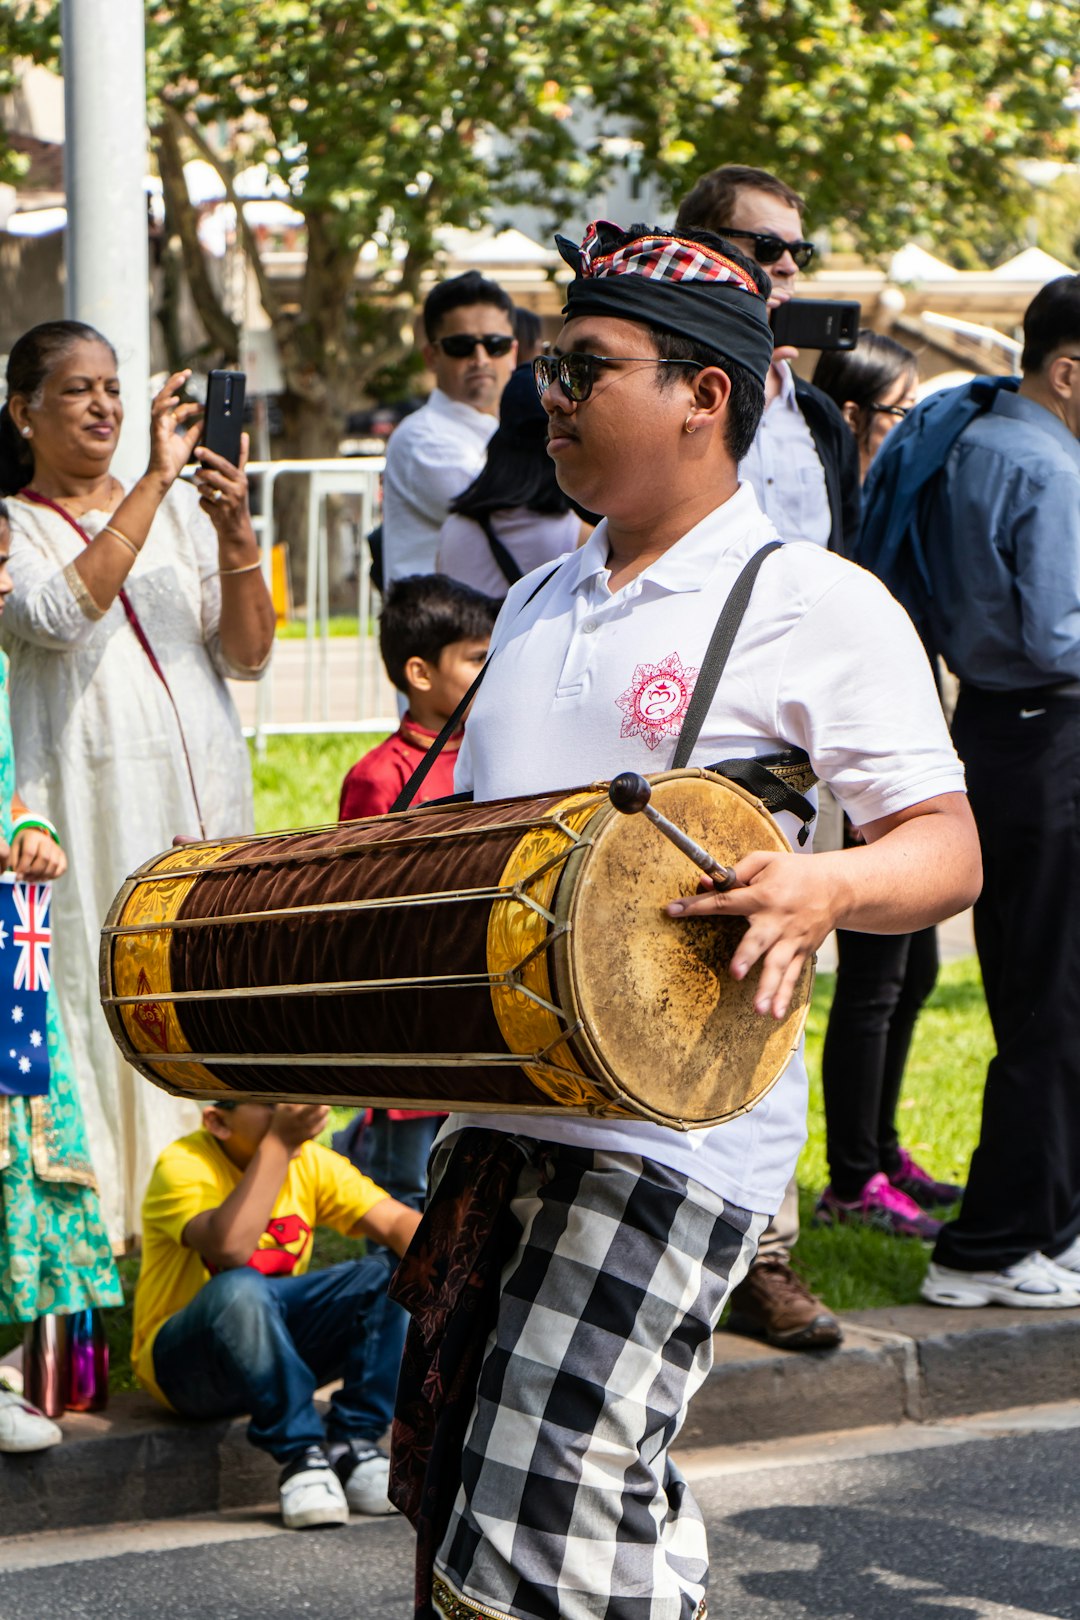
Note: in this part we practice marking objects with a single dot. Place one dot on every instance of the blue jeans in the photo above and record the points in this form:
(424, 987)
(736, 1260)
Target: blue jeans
(263, 1345)
(394, 1153)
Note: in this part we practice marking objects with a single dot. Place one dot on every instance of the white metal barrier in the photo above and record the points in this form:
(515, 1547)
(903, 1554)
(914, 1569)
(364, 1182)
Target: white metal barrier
(359, 477)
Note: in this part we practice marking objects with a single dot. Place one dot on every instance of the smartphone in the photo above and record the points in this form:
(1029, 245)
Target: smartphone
(816, 323)
(223, 422)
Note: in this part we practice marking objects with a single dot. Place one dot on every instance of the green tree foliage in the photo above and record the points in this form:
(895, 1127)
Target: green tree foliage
(902, 120)
(386, 119)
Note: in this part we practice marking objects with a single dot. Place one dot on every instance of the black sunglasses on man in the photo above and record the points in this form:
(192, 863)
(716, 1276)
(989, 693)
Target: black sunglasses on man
(462, 344)
(769, 249)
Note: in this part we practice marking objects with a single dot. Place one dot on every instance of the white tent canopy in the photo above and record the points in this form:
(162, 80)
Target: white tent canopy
(913, 263)
(1033, 265)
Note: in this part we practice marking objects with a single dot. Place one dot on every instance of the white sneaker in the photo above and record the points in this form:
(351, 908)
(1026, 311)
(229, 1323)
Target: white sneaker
(365, 1471)
(310, 1492)
(23, 1427)
(1034, 1282)
(1068, 1259)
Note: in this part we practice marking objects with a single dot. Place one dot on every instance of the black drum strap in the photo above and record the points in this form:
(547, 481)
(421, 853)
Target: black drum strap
(418, 777)
(762, 777)
(717, 654)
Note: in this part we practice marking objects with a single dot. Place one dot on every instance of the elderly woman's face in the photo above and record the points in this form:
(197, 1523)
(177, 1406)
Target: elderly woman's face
(75, 421)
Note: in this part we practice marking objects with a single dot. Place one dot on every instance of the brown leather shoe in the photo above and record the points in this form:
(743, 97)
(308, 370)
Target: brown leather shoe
(773, 1303)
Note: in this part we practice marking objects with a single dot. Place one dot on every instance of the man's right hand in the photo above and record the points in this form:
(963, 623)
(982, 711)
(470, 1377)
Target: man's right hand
(297, 1123)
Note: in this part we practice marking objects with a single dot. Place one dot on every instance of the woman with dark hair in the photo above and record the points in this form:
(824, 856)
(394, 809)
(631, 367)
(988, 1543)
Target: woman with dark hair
(882, 980)
(132, 603)
(873, 384)
(513, 517)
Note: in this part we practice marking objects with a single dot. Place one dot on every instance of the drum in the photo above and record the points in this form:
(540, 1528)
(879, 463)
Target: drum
(513, 955)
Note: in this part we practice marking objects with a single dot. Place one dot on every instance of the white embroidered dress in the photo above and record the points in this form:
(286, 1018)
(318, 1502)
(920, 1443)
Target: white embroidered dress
(98, 749)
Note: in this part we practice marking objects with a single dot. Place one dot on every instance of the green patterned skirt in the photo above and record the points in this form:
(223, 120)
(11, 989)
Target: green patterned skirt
(54, 1249)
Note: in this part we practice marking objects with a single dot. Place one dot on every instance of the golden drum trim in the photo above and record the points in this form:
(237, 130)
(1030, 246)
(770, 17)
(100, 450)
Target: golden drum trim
(519, 933)
(141, 969)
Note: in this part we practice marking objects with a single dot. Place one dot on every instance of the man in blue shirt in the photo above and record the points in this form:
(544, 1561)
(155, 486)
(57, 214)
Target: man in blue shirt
(1000, 536)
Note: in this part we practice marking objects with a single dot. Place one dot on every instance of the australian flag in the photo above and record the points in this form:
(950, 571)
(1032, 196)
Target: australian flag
(25, 938)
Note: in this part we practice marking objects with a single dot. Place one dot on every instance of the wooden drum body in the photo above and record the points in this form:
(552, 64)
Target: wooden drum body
(512, 955)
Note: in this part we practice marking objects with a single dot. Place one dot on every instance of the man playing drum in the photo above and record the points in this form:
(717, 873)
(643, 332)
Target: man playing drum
(583, 1264)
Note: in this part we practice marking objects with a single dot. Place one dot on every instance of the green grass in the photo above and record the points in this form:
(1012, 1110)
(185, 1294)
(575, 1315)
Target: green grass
(298, 779)
(854, 1268)
(341, 624)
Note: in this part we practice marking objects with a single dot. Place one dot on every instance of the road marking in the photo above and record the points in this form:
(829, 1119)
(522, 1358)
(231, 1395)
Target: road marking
(51, 1547)
(849, 1445)
(974, 1608)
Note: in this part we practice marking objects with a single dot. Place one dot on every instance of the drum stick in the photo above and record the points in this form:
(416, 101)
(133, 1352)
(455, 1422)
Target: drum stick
(630, 793)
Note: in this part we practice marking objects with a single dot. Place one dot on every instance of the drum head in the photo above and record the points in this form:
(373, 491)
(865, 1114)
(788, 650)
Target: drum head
(663, 1021)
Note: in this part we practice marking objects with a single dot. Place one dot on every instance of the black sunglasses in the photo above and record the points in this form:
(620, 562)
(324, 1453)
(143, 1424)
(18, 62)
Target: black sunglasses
(576, 373)
(462, 344)
(770, 249)
(899, 411)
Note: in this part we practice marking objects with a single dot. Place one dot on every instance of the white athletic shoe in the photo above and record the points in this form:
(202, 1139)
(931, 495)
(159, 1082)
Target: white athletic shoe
(1034, 1283)
(23, 1427)
(310, 1492)
(1068, 1260)
(367, 1479)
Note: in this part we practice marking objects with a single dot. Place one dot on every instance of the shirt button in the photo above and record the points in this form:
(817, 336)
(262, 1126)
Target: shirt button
(589, 626)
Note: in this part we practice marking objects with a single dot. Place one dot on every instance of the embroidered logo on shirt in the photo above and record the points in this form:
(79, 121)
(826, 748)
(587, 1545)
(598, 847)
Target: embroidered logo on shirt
(656, 700)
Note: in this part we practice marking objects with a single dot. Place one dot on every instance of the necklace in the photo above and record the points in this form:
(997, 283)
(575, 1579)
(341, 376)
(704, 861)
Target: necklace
(79, 505)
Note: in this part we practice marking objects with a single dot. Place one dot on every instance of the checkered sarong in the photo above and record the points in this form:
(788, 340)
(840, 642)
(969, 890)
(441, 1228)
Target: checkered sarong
(569, 1505)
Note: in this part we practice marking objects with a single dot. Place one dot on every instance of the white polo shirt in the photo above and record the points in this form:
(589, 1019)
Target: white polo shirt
(584, 683)
(434, 454)
(785, 469)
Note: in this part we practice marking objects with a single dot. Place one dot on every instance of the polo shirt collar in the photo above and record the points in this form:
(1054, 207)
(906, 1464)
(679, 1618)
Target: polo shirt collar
(785, 399)
(1006, 403)
(689, 563)
(458, 411)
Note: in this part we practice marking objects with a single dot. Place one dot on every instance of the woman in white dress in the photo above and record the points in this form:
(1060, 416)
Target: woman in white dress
(513, 517)
(131, 605)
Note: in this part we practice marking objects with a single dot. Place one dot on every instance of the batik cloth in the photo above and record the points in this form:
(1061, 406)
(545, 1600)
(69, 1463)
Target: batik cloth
(569, 1504)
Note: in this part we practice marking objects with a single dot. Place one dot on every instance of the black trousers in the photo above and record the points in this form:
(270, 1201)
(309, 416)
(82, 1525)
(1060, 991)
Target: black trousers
(1022, 754)
(882, 981)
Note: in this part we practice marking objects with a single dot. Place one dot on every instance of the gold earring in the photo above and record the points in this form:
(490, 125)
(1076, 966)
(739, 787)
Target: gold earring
(686, 425)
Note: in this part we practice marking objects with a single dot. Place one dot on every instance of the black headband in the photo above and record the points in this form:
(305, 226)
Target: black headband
(695, 285)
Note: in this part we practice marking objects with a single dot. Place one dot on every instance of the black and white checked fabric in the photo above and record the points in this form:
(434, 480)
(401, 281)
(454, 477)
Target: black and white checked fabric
(569, 1507)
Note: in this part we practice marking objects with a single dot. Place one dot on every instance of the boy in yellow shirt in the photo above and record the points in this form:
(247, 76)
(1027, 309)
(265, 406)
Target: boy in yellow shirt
(227, 1322)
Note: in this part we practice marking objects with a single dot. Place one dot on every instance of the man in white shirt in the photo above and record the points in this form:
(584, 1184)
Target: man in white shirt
(611, 1246)
(804, 468)
(803, 463)
(439, 449)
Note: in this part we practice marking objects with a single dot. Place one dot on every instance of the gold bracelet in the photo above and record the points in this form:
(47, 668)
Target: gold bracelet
(248, 568)
(108, 528)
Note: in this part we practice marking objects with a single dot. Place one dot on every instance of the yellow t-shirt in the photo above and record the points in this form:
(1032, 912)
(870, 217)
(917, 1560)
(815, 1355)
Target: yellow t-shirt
(321, 1188)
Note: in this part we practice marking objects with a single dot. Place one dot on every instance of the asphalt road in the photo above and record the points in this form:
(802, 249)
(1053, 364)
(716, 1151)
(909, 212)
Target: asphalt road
(978, 1520)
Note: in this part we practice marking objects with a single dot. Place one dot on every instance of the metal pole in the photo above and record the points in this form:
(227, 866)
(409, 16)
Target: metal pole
(105, 166)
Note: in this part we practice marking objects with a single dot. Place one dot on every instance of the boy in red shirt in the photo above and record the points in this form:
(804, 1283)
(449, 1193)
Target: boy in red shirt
(433, 636)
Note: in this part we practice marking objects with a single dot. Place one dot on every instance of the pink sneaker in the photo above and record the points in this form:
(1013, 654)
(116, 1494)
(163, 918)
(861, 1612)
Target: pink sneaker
(920, 1185)
(880, 1204)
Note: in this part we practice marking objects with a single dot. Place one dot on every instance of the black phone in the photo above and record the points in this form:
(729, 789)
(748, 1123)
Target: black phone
(223, 422)
(816, 323)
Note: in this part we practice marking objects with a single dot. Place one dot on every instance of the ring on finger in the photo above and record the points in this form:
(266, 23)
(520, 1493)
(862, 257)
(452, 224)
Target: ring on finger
(216, 495)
